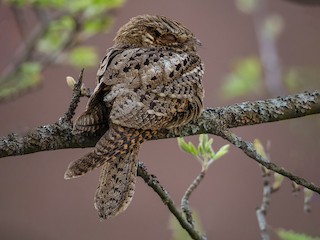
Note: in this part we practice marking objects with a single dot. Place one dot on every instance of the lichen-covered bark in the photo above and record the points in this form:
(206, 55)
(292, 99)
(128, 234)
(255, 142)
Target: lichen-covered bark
(213, 120)
(45, 138)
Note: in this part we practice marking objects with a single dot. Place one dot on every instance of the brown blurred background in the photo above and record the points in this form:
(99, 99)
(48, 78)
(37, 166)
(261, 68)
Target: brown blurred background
(37, 203)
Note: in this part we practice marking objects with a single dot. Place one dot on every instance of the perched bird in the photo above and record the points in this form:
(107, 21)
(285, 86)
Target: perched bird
(150, 79)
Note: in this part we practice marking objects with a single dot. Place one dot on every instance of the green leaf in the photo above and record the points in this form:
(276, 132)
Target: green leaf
(193, 150)
(83, 57)
(221, 152)
(291, 235)
(208, 146)
(205, 145)
(202, 139)
(204, 153)
(27, 77)
(245, 78)
(187, 147)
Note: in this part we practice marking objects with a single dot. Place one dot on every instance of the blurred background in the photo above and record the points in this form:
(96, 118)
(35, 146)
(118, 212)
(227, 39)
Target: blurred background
(252, 50)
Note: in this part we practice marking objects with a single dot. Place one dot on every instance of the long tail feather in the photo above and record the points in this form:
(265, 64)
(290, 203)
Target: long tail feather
(117, 185)
(116, 142)
(117, 151)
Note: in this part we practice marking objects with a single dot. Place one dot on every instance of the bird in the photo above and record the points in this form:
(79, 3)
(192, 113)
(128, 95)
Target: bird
(149, 80)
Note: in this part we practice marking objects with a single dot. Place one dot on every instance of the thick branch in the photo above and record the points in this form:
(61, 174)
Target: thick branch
(213, 120)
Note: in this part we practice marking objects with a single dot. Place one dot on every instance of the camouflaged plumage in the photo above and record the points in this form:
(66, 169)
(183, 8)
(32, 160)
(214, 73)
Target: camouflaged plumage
(149, 80)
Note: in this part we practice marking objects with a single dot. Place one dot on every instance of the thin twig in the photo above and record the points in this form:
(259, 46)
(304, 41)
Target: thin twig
(185, 199)
(261, 212)
(250, 151)
(76, 95)
(167, 200)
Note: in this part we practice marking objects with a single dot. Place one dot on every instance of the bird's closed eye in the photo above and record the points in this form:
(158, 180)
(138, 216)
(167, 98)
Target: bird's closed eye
(169, 38)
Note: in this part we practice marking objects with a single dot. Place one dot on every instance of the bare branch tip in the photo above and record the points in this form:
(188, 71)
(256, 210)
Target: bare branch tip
(76, 95)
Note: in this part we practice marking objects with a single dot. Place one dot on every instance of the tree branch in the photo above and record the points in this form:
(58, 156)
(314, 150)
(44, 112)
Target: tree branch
(76, 95)
(250, 151)
(59, 135)
(185, 199)
(261, 212)
(216, 121)
(152, 181)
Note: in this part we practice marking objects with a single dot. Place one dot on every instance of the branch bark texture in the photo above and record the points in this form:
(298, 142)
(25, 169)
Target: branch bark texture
(59, 135)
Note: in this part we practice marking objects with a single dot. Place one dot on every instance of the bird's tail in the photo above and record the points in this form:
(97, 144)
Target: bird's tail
(117, 185)
(117, 153)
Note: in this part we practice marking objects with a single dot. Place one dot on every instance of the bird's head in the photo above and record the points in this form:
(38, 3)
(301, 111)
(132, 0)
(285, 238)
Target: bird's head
(156, 31)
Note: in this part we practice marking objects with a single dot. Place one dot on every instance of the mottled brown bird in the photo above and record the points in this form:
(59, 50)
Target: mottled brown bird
(150, 79)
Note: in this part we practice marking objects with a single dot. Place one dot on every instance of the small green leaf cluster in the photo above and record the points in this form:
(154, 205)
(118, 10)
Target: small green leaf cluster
(204, 153)
(62, 27)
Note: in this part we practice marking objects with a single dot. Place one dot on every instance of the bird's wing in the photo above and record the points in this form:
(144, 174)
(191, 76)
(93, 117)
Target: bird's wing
(95, 119)
(153, 89)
